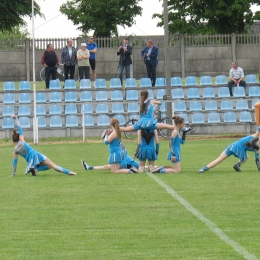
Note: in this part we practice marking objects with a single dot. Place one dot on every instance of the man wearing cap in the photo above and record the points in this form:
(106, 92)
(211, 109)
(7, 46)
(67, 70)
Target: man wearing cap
(83, 61)
(92, 47)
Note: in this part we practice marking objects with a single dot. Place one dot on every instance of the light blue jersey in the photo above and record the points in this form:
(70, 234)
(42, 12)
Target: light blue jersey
(147, 150)
(175, 148)
(116, 154)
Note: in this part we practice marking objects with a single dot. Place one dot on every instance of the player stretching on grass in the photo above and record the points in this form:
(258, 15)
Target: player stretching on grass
(238, 149)
(35, 160)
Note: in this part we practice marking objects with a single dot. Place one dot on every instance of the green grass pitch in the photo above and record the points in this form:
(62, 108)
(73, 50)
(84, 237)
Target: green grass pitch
(97, 215)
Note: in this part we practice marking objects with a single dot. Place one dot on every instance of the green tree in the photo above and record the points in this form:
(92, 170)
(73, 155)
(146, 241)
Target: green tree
(14, 33)
(12, 13)
(102, 16)
(209, 16)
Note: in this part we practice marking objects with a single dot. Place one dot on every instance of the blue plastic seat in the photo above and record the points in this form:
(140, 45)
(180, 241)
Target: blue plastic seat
(25, 122)
(191, 81)
(137, 117)
(41, 121)
(241, 104)
(132, 107)
(71, 109)
(160, 82)
(70, 84)
(251, 79)
(221, 80)
(40, 110)
(117, 108)
(117, 95)
(23, 111)
(7, 123)
(176, 82)
(88, 120)
(205, 81)
(254, 91)
(145, 82)
(229, 117)
(55, 97)
(85, 83)
(121, 119)
(55, 110)
(9, 98)
(72, 121)
(211, 105)
(198, 118)
(223, 92)
(239, 92)
(208, 92)
(179, 106)
(9, 85)
(161, 93)
(24, 85)
(177, 93)
(130, 83)
(184, 116)
(226, 105)
(150, 93)
(195, 106)
(101, 95)
(245, 116)
(103, 120)
(100, 83)
(213, 118)
(40, 97)
(70, 96)
(55, 121)
(88, 108)
(253, 103)
(131, 95)
(193, 93)
(102, 108)
(55, 84)
(115, 83)
(86, 96)
(24, 98)
(8, 111)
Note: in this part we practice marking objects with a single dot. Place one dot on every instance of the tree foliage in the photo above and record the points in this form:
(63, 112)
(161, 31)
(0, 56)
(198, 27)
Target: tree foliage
(102, 16)
(209, 16)
(14, 33)
(12, 13)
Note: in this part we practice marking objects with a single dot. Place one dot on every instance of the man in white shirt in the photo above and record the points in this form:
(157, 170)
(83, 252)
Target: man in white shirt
(236, 75)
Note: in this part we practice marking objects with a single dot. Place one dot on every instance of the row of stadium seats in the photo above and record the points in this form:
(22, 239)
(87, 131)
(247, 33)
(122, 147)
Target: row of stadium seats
(103, 120)
(117, 95)
(131, 82)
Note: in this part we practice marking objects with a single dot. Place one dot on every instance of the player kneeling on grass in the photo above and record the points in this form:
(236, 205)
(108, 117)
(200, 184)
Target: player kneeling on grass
(127, 163)
(238, 149)
(35, 160)
(178, 137)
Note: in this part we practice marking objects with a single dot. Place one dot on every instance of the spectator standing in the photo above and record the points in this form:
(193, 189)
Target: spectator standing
(150, 54)
(236, 75)
(92, 47)
(69, 59)
(125, 52)
(83, 61)
(51, 62)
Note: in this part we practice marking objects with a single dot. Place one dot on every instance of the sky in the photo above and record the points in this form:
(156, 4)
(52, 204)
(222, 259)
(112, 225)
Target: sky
(56, 25)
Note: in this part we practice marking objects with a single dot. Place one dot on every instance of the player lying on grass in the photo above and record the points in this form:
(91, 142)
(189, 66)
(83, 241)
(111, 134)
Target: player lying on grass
(238, 149)
(127, 163)
(178, 137)
(35, 160)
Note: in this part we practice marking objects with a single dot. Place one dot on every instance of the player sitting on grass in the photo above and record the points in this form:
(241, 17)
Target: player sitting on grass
(238, 149)
(35, 160)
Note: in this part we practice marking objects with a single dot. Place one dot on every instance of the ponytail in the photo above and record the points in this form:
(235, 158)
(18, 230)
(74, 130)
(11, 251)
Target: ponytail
(178, 120)
(144, 95)
(115, 123)
(15, 136)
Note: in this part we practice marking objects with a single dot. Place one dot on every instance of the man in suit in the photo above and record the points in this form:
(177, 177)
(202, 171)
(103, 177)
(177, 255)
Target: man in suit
(125, 52)
(150, 54)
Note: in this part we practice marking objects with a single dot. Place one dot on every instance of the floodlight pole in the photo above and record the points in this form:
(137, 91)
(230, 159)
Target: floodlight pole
(35, 119)
(167, 66)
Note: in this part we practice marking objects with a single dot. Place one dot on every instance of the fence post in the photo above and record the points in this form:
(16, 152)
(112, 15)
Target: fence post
(182, 51)
(233, 46)
(27, 59)
(79, 41)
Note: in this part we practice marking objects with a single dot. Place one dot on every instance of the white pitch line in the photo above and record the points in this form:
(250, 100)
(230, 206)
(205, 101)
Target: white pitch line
(237, 247)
